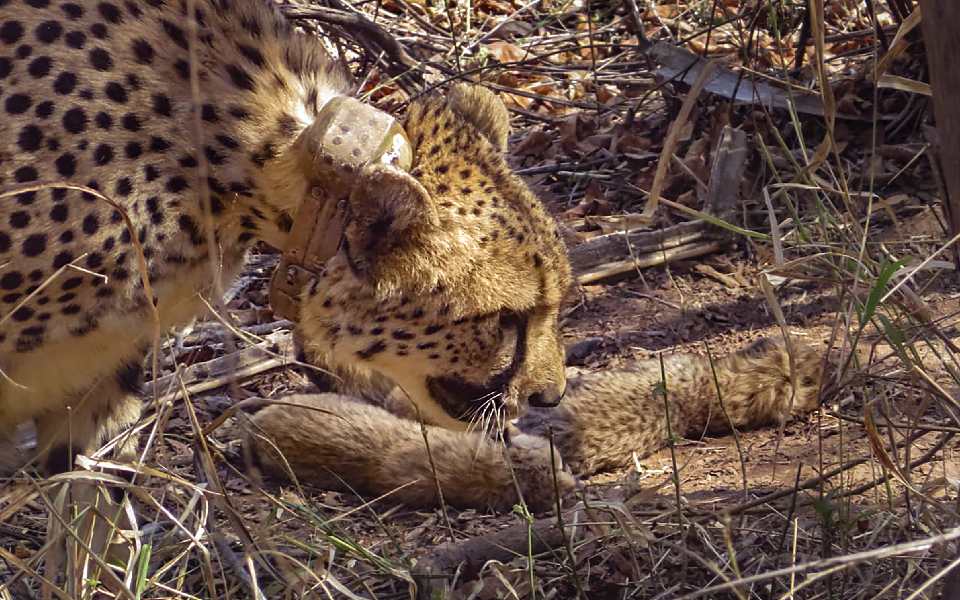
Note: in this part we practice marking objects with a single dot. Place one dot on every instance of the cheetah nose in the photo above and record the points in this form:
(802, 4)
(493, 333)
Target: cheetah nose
(547, 398)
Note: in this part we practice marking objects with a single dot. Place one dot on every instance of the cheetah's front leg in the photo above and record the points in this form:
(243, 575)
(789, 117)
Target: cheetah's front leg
(89, 515)
(112, 404)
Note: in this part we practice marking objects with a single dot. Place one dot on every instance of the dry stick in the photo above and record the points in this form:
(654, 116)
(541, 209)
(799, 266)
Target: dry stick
(927, 457)
(673, 137)
(436, 475)
(834, 563)
(22, 569)
(64, 532)
(361, 25)
(648, 260)
(468, 557)
(220, 497)
(591, 259)
(567, 542)
(599, 250)
(662, 391)
(231, 368)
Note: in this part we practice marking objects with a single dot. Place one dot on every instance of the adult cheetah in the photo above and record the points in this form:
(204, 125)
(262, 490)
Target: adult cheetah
(142, 147)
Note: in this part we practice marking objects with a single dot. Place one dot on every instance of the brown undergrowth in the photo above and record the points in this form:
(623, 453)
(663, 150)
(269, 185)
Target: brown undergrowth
(838, 239)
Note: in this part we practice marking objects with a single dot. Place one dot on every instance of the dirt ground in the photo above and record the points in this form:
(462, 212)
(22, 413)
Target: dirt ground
(674, 309)
(711, 304)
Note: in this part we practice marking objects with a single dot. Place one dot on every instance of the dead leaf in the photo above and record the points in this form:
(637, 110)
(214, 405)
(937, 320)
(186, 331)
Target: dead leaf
(631, 143)
(535, 144)
(505, 52)
(573, 130)
(495, 6)
(594, 202)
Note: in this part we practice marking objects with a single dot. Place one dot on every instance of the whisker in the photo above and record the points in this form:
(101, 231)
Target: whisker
(479, 406)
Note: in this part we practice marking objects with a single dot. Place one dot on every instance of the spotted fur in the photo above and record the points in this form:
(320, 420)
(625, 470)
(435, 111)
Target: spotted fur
(105, 151)
(605, 419)
(497, 345)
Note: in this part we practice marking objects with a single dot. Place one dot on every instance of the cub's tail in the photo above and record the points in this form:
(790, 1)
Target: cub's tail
(607, 416)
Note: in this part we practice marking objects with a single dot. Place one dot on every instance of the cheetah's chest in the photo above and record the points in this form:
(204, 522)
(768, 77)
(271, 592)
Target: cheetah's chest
(118, 337)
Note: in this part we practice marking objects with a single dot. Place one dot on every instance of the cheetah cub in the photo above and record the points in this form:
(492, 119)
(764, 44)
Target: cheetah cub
(339, 442)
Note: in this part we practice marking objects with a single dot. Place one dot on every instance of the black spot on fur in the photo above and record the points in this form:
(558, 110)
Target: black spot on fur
(372, 350)
(11, 32)
(162, 105)
(75, 121)
(110, 12)
(129, 377)
(251, 54)
(116, 92)
(40, 67)
(18, 104)
(240, 78)
(72, 11)
(48, 32)
(100, 59)
(131, 122)
(175, 33)
(76, 39)
(143, 51)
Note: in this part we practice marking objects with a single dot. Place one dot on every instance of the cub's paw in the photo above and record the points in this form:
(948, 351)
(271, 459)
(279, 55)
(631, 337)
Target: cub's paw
(539, 478)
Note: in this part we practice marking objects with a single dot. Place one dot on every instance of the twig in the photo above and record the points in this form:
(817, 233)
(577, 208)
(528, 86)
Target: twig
(275, 352)
(815, 481)
(834, 563)
(467, 558)
(641, 261)
(673, 138)
(365, 29)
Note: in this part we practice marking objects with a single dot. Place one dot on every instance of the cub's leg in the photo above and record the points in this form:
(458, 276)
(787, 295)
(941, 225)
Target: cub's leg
(606, 416)
(335, 442)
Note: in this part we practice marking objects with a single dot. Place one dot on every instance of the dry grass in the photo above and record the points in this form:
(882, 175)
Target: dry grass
(873, 509)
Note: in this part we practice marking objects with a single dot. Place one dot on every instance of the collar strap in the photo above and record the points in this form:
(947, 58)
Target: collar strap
(346, 136)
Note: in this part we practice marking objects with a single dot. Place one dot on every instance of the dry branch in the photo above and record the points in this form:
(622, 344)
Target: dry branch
(622, 252)
(275, 351)
(466, 559)
(400, 62)
(652, 259)
(942, 47)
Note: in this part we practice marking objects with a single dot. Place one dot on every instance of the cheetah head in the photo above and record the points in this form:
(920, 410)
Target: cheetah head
(450, 278)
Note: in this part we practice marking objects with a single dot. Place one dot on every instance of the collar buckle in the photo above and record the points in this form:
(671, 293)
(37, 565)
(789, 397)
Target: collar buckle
(346, 136)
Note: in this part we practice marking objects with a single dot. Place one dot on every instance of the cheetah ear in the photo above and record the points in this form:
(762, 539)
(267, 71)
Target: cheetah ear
(484, 110)
(389, 212)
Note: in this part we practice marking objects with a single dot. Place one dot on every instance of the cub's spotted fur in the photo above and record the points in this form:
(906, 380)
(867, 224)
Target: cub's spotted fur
(604, 418)
(97, 102)
(338, 442)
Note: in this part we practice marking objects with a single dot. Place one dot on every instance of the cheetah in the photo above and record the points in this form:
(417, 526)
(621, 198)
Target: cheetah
(143, 148)
(605, 419)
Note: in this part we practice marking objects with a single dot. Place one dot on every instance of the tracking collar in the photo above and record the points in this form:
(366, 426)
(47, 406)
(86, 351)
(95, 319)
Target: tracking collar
(346, 136)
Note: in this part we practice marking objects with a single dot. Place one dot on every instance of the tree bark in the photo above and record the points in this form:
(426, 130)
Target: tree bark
(941, 18)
